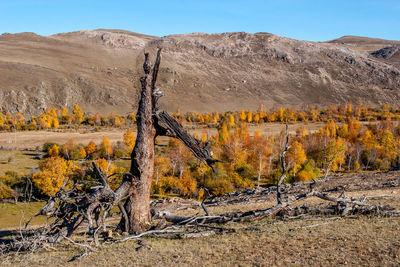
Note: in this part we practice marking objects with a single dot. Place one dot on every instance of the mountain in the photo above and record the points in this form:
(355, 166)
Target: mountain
(100, 71)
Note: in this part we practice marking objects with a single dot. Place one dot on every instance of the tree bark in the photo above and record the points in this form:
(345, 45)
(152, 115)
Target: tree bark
(137, 204)
(150, 124)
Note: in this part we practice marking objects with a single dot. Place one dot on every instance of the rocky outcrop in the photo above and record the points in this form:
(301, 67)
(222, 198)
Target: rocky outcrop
(386, 52)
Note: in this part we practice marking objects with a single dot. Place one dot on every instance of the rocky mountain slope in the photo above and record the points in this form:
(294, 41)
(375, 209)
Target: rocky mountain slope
(100, 70)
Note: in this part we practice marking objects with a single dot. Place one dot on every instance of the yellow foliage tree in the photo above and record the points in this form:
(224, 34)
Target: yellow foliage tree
(65, 117)
(54, 151)
(20, 120)
(2, 121)
(223, 133)
(387, 145)
(105, 148)
(231, 120)
(91, 148)
(129, 140)
(55, 172)
(162, 165)
(113, 172)
(186, 185)
(250, 116)
(334, 153)
(54, 122)
(296, 156)
(82, 153)
(242, 115)
(77, 114)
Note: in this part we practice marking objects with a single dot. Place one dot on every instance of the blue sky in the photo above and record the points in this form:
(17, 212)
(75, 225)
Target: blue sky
(302, 19)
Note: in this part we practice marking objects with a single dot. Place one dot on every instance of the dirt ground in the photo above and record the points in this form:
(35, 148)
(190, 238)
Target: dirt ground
(33, 139)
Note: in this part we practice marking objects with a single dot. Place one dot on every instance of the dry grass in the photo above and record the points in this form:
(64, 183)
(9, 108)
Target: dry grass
(22, 161)
(33, 139)
(11, 215)
(366, 241)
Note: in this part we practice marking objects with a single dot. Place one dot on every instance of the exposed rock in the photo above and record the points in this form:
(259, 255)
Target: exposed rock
(386, 52)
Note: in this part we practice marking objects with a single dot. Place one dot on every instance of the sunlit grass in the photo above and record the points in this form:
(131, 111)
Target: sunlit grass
(13, 215)
(18, 161)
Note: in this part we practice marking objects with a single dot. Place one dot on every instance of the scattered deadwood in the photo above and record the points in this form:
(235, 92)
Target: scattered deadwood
(69, 209)
(175, 226)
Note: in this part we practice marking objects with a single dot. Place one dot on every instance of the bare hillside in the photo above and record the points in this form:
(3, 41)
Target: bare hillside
(100, 70)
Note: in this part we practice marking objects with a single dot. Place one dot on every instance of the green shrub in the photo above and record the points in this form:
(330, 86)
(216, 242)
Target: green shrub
(245, 170)
(47, 146)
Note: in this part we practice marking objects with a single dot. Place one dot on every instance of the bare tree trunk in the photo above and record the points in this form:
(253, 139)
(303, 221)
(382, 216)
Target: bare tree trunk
(137, 205)
(259, 171)
(150, 124)
(180, 171)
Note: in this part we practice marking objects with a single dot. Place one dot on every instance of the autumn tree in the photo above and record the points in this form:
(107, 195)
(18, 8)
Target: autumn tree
(334, 153)
(67, 148)
(77, 114)
(179, 156)
(260, 153)
(55, 172)
(296, 156)
(54, 151)
(105, 148)
(65, 117)
(162, 165)
(91, 148)
(129, 140)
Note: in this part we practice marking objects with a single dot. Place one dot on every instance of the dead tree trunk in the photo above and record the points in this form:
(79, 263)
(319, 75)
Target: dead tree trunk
(150, 124)
(137, 205)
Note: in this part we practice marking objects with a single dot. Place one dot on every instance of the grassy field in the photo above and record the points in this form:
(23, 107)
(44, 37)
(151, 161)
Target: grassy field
(22, 161)
(13, 215)
(317, 241)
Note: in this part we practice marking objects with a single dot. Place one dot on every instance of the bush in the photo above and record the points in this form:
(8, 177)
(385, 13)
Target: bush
(308, 172)
(275, 175)
(219, 186)
(166, 184)
(11, 184)
(47, 146)
(245, 170)
(6, 192)
(239, 182)
(186, 185)
(119, 153)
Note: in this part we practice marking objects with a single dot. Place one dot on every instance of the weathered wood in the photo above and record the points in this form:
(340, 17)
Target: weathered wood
(283, 165)
(168, 126)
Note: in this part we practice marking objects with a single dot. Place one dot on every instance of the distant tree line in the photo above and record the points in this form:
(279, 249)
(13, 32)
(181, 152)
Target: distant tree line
(54, 118)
